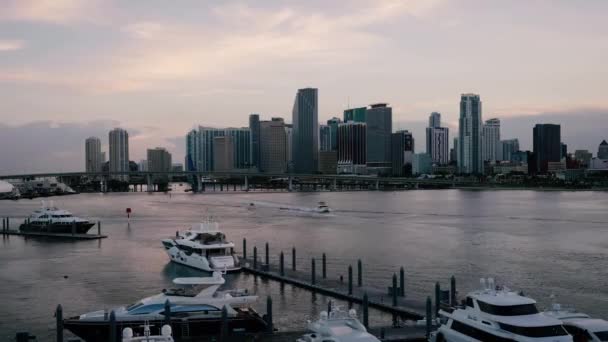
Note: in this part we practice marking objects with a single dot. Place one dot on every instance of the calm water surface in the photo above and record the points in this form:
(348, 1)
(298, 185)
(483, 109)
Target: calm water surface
(544, 243)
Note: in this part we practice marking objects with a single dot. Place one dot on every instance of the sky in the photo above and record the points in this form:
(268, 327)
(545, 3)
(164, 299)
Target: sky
(74, 68)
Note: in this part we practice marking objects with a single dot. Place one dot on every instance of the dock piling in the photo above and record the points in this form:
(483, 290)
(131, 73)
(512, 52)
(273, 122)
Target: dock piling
(359, 273)
(394, 292)
(98, 227)
(269, 314)
(293, 258)
(113, 326)
(312, 271)
(59, 320)
(267, 258)
(167, 313)
(437, 299)
(224, 327)
(429, 316)
(350, 280)
(365, 310)
(402, 282)
(282, 264)
(244, 248)
(453, 291)
(329, 306)
(324, 267)
(255, 257)
(74, 228)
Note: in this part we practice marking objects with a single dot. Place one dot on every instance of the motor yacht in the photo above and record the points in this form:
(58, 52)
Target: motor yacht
(195, 311)
(337, 326)
(322, 208)
(581, 326)
(203, 247)
(50, 219)
(495, 313)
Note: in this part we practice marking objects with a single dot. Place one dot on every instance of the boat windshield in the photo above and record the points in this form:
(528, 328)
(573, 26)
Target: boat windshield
(509, 310)
(546, 331)
(134, 306)
(211, 239)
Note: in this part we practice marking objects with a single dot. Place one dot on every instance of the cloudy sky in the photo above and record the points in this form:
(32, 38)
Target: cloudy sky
(74, 68)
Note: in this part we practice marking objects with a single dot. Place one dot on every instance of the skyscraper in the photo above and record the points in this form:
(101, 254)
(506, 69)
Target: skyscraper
(288, 147)
(159, 160)
(193, 161)
(273, 146)
(206, 136)
(379, 121)
(241, 144)
(398, 154)
(509, 147)
(547, 145)
(470, 159)
(254, 127)
(333, 127)
(324, 138)
(352, 147)
(355, 114)
(437, 140)
(223, 153)
(564, 150)
(119, 152)
(602, 150)
(305, 144)
(491, 140)
(92, 151)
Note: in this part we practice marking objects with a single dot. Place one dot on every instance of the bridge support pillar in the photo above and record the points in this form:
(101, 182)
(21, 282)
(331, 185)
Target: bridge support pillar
(246, 183)
(149, 181)
(377, 185)
(290, 186)
(334, 185)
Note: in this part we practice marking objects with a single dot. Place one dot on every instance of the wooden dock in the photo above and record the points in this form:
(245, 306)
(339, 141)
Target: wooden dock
(54, 235)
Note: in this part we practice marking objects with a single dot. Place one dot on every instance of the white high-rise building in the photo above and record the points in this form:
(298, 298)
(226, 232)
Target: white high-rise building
(491, 147)
(119, 152)
(437, 140)
(470, 158)
(93, 156)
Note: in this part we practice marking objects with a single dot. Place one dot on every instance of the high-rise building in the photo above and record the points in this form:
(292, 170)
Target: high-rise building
(177, 167)
(352, 147)
(273, 146)
(103, 158)
(288, 147)
(437, 140)
(491, 140)
(584, 157)
(564, 151)
(119, 153)
(455, 156)
(602, 150)
(206, 139)
(92, 152)
(159, 160)
(421, 164)
(333, 127)
(509, 147)
(193, 156)
(324, 138)
(379, 121)
(547, 145)
(470, 158)
(305, 144)
(241, 143)
(142, 165)
(254, 127)
(355, 114)
(398, 154)
(223, 153)
(328, 162)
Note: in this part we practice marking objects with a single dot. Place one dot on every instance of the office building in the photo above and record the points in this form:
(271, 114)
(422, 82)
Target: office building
(193, 155)
(437, 140)
(333, 128)
(92, 152)
(328, 162)
(470, 158)
(509, 147)
(355, 114)
(207, 136)
(491, 141)
(142, 165)
(289, 148)
(254, 128)
(159, 160)
(119, 153)
(305, 141)
(352, 148)
(241, 143)
(379, 126)
(602, 150)
(454, 153)
(421, 164)
(583, 157)
(398, 154)
(324, 138)
(546, 145)
(177, 167)
(103, 158)
(564, 151)
(223, 153)
(273, 146)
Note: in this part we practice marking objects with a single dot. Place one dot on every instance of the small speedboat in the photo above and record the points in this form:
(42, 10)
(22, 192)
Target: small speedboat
(322, 208)
(337, 326)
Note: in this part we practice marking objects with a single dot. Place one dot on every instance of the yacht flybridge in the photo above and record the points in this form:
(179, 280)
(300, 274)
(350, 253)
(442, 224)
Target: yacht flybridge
(203, 247)
(192, 313)
(495, 313)
(337, 326)
(51, 219)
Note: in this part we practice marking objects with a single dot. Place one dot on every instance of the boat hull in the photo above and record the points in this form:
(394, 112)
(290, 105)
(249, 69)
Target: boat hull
(78, 228)
(99, 331)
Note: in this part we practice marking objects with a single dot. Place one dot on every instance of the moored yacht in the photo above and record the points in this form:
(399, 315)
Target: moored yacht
(495, 313)
(192, 313)
(337, 326)
(581, 326)
(50, 219)
(203, 247)
(322, 208)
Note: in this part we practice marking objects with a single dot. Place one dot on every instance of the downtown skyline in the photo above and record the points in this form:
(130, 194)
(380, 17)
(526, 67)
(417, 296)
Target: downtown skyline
(156, 80)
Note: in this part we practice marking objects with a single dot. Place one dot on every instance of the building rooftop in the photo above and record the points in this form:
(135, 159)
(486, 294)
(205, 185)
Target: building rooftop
(603, 143)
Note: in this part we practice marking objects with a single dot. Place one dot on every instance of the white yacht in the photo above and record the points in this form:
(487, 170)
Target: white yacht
(495, 313)
(196, 313)
(51, 219)
(581, 326)
(203, 247)
(337, 326)
(322, 208)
